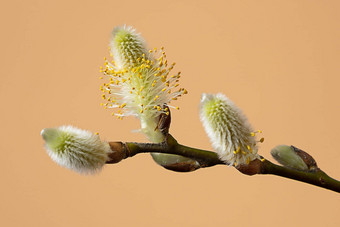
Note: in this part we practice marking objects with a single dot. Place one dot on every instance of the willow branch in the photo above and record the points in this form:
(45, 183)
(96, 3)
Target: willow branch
(208, 158)
(317, 178)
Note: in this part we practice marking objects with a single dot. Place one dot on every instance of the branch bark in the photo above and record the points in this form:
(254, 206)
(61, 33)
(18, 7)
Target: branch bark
(208, 159)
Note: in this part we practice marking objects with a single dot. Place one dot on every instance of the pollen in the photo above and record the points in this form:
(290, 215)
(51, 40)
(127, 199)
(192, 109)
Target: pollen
(138, 80)
(254, 133)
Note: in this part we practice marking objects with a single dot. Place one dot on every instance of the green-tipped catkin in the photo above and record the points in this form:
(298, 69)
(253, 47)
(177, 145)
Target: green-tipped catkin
(228, 129)
(76, 149)
(141, 83)
(127, 46)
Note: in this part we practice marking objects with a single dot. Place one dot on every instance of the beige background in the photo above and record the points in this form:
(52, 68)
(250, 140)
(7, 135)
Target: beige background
(278, 60)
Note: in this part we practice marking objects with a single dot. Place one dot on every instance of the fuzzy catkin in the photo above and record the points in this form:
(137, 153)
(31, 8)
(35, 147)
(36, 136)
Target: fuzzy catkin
(76, 149)
(228, 129)
(141, 83)
(127, 46)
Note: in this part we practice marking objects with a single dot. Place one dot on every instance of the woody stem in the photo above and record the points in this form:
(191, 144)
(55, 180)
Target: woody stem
(209, 158)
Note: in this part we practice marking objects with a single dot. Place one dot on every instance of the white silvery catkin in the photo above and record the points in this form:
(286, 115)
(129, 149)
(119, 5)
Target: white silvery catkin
(126, 47)
(76, 149)
(228, 129)
(141, 84)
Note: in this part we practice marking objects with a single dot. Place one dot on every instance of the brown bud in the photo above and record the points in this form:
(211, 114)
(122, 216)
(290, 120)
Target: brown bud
(119, 152)
(307, 158)
(164, 121)
(183, 166)
(254, 167)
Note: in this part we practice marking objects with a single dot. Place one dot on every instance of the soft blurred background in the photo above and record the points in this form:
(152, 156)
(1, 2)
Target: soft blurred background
(277, 60)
